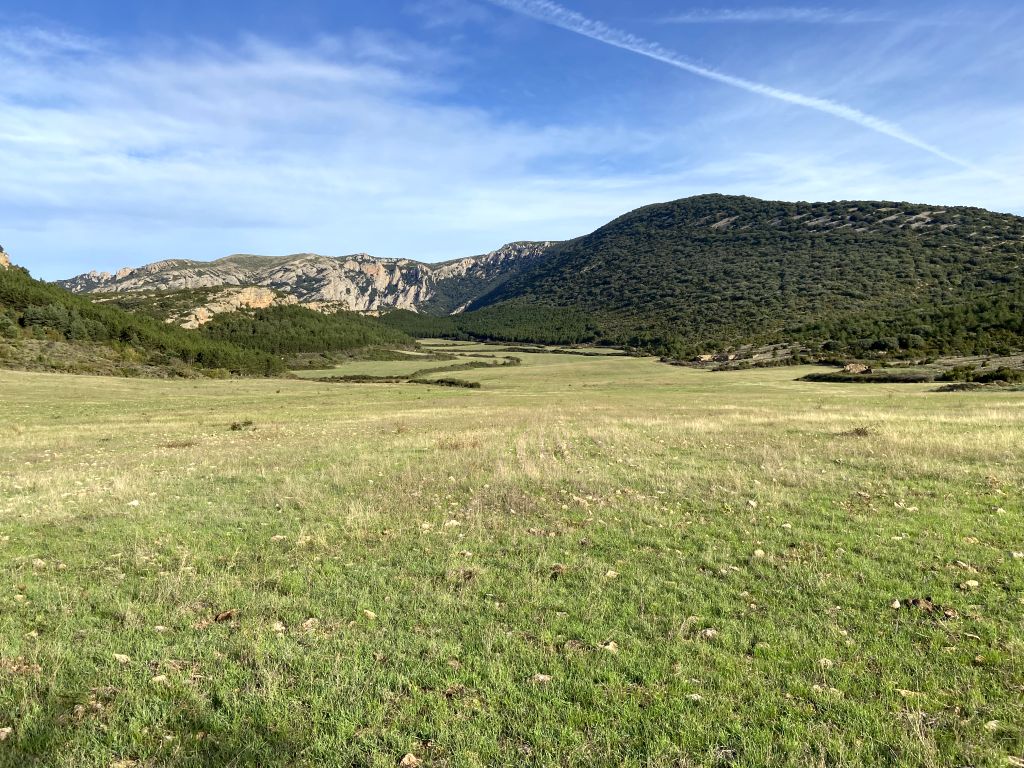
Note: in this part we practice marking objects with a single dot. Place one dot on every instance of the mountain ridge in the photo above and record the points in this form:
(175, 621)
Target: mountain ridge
(358, 282)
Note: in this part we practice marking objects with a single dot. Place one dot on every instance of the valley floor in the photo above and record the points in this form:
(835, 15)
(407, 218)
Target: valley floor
(590, 561)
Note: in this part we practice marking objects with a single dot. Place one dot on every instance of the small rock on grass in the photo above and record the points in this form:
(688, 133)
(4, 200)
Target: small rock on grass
(540, 678)
(409, 761)
(121, 658)
(5, 733)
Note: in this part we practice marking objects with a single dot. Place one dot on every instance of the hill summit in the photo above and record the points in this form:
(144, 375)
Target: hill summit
(715, 271)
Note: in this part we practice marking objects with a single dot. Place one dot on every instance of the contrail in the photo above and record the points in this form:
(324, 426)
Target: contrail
(559, 16)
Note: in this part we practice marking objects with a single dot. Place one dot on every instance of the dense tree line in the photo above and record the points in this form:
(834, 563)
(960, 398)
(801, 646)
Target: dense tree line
(290, 330)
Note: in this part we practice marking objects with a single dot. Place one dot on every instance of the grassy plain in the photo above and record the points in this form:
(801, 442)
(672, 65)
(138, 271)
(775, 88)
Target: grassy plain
(590, 561)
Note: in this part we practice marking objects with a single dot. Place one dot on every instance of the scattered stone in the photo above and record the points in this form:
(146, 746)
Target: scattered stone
(121, 658)
(611, 646)
(612, 575)
(760, 553)
(159, 680)
(540, 679)
(5, 733)
(908, 694)
(134, 503)
(309, 625)
(410, 761)
(826, 663)
(709, 633)
(370, 615)
(970, 584)
(857, 368)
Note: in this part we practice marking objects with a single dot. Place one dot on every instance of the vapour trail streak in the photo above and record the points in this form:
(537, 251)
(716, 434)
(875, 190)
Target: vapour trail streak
(559, 16)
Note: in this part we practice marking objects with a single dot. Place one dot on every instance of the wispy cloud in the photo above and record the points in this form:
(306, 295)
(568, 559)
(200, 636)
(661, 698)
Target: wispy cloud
(560, 16)
(781, 14)
(448, 13)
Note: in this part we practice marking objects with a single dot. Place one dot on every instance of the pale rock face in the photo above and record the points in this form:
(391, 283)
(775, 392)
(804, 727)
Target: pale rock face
(232, 300)
(358, 282)
(5, 260)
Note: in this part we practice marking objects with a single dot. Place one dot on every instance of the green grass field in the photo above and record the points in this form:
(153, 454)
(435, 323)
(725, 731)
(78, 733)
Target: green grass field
(590, 561)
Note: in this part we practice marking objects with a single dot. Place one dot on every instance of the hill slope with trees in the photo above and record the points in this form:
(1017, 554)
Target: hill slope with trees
(44, 327)
(713, 272)
(68, 332)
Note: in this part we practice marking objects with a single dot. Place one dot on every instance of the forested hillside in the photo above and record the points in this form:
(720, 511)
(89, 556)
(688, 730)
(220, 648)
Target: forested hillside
(32, 311)
(295, 329)
(59, 330)
(712, 272)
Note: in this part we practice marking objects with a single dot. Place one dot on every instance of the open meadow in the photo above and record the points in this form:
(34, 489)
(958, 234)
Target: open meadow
(589, 561)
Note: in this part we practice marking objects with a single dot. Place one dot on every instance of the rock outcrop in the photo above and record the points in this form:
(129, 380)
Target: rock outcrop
(5, 260)
(231, 300)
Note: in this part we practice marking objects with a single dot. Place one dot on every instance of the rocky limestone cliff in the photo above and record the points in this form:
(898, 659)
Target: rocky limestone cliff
(357, 282)
(5, 260)
(231, 300)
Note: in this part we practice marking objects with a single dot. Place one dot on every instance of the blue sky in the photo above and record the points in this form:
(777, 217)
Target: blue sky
(433, 129)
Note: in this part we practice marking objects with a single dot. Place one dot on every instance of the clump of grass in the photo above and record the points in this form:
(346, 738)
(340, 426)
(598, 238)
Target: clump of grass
(240, 426)
(448, 382)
